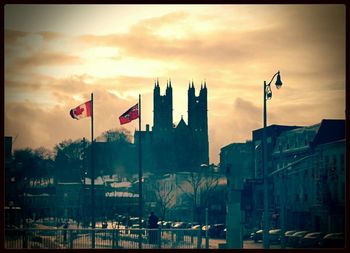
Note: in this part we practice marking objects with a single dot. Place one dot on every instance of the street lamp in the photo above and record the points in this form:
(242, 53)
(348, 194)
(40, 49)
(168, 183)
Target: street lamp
(267, 95)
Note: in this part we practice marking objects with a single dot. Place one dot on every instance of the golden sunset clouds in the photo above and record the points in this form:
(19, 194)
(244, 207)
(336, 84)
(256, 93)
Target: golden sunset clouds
(56, 55)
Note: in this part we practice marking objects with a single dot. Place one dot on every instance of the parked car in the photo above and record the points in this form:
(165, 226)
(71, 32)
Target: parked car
(179, 224)
(275, 236)
(104, 224)
(333, 240)
(164, 224)
(257, 235)
(294, 238)
(134, 229)
(216, 230)
(311, 240)
(288, 234)
(204, 229)
(191, 224)
(135, 220)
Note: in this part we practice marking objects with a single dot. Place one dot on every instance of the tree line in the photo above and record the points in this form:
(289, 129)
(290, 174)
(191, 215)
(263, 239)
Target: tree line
(69, 160)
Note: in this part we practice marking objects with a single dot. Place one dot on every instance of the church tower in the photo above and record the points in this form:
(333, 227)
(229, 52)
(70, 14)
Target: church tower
(162, 108)
(198, 121)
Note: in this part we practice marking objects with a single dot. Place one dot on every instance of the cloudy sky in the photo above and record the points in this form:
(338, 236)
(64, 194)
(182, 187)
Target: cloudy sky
(57, 55)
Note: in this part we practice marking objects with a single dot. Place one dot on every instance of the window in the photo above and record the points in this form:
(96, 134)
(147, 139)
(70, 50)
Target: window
(305, 197)
(297, 198)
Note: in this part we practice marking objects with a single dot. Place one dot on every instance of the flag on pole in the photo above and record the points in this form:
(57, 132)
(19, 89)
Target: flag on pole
(129, 115)
(81, 111)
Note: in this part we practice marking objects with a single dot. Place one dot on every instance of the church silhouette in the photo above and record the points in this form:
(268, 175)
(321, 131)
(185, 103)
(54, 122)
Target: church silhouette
(184, 147)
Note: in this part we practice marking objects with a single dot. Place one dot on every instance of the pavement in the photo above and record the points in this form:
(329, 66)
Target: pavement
(247, 244)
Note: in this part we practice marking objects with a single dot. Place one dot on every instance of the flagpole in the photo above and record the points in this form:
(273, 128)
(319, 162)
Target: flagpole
(92, 174)
(140, 176)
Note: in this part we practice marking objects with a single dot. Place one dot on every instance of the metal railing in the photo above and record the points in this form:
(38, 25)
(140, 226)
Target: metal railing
(104, 238)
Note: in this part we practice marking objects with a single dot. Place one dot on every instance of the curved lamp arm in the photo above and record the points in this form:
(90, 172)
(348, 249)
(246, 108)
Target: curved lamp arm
(273, 77)
(268, 90)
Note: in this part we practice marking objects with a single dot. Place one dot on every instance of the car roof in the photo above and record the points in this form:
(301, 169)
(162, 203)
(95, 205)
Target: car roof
(300, 232)
(313, 234)
(334, 235)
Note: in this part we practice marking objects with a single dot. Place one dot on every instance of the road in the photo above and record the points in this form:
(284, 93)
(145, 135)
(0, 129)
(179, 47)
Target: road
(247, 244)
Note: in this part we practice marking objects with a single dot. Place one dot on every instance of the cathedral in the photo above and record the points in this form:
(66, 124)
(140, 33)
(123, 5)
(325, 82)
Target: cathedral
(174, 148)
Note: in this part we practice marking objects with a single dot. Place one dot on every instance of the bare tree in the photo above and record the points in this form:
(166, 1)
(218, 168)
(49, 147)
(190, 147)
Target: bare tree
(192, 192)
(209, 186)
(164, 193)
(200, 187)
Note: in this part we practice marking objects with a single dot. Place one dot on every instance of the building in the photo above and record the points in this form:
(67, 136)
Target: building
(309, 177)
(253, 188)
(306, 178)
(315, 179)
(272, 132)
(168, 148)
(293, 151)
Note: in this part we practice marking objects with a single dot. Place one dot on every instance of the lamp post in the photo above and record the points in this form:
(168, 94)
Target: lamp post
(207, 168)
(267, 95)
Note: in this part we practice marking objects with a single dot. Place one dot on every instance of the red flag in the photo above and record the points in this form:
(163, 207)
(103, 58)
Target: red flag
(129, 115)
(81, 111)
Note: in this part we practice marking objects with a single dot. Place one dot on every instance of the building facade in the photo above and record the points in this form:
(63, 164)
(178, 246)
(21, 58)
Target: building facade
(306, 167)
(168, 148)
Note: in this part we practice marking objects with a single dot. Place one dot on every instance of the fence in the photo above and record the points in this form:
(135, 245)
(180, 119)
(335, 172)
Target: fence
(104, 238)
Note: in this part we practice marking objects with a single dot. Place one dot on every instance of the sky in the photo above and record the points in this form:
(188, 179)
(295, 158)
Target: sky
(57, 55)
